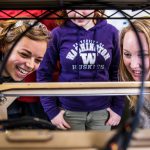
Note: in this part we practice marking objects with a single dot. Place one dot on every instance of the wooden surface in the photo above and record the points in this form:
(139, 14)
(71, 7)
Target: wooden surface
(4, 105)
(66, 140)
(71, 85)
(73, 89)
(59, 140)
(68, 89)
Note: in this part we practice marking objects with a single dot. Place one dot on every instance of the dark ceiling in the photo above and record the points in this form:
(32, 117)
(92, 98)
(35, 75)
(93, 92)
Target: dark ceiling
(74, 4)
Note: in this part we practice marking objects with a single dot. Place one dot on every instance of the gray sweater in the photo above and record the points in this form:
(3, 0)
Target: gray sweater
(145, 115)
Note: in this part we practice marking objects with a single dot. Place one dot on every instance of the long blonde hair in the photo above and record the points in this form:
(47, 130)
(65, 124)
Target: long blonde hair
(143, 26)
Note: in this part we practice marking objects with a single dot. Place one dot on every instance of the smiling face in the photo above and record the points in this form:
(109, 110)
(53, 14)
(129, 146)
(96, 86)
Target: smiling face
(25, 58)
(132, 55)
(85, 23)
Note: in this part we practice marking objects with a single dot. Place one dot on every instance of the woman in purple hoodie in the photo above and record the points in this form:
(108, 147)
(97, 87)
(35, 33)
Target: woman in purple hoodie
(88, 52)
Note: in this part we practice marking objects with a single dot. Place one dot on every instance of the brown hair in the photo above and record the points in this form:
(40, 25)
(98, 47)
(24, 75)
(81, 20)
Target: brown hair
(143, 26)
(63, 13)
(12, 29)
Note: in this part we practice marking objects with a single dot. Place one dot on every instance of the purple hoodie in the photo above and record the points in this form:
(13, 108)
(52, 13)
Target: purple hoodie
(85, 56)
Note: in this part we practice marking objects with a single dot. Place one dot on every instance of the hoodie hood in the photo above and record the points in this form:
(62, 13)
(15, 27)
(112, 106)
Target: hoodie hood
(89, 55)
(85, 55)
(99, 23)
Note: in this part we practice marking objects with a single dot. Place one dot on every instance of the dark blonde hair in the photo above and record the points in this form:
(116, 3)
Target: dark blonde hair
(143, 26)
(11, 30)
(63, 13)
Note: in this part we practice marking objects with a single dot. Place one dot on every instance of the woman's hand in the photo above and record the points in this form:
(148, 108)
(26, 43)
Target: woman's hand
(60, 122)
(114, 118)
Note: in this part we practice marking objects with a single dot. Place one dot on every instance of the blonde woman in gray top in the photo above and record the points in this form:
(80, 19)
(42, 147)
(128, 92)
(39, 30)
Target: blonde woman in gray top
(130, 66)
